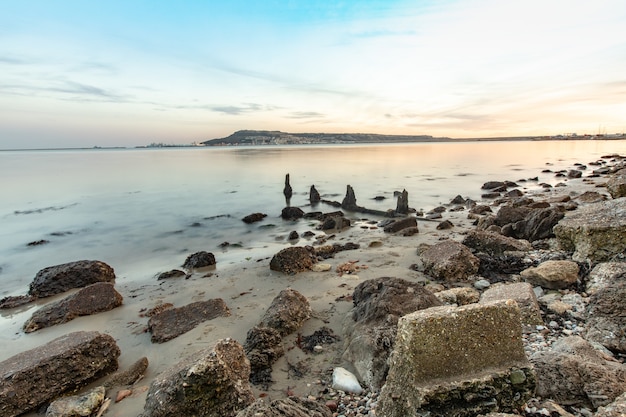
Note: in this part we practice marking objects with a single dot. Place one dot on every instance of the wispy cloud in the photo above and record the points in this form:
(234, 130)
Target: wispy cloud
(306, 115)
(242, 109)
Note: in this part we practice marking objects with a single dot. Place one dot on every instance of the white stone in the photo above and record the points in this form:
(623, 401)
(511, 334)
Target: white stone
(321, 267)
(345, 380)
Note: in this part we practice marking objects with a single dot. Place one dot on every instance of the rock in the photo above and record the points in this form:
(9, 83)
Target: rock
(345, 380)
(616, 185)
(286, 407)
(128, 376)
(174, 273)
(60, 278)
(292, 213)
(511, 214)
(450, 260)
(338, 222)
(459, 295)
(538, 224)
(596, 232)
(492, 185)
(604, 274)
(314, 195)
(14, 301)
(494, 243)
(292, 260)
(616, 409)
(93, 299)
(481, 284)
(409, 231)
(293, 235)
(263, 347)
(591, 197)
(199, 260)
(321, 267)
(34, 377)
(574, 373)
(445, 225)
(399, 225)
(212, 382)
(523, 295)
(458, 361)
(606, 319)
(370, 329)
(254, 217)
(173, 322)
(553, 275)
(287, 191)
(287, 312)
(77, 405)
(349, 201)
(403, 203)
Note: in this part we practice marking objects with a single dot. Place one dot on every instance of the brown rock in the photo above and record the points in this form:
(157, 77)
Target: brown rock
(288, 311)
(173, 322)
(77, 405)
(287, 407)
(523, 294)
(254, 217)
(494, 243)
(398, 225)
(263, 347)
(199, 260)
(93, 299)
(60, 278)
(450, 261)
(552, 274)
(292, 260)
(34, 377)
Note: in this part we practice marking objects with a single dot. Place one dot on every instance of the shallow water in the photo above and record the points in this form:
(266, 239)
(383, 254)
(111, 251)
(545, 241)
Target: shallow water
(144, 210)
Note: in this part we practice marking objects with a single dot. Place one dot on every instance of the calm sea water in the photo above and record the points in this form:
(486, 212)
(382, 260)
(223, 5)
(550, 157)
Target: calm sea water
(144, 210)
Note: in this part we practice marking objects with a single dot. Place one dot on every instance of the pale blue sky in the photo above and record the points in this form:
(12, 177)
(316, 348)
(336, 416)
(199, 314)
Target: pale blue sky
(109, 73)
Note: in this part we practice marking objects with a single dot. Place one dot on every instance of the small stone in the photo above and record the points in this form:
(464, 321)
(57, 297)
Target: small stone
(482, 284)
(345, 381)
(318, 349)
(321, 267)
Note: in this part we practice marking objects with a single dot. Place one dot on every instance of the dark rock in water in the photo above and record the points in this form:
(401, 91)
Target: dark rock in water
(398, 225)
(287, 191)
(379, 198)
(308, 233)
(199, 260)
(254, 217)
(480, 209)
(60, 278)
(292, 213)
(490, 196)
(494, 243)
(371, 329)
(314, 195)
(349, 201)
(93, 299)
(293, 235)
(490, 185)
(458, 200)
(403, 203)
(86, 404)
(34, 377)
(292, 260)
(174, 273)
(263, 346)
(573, 372)
(450, 260)
(173, 322)
(209, 383)
(14, 301)
(574, 173)
(286, 407)
(329, 251)
(288, 311)
(334, 222)
(38, 242)
(444, 225)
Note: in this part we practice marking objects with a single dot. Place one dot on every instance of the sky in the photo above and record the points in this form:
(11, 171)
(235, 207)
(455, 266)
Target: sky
(133, 72)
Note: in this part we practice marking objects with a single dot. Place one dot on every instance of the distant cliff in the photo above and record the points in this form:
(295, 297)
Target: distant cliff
(274, 137)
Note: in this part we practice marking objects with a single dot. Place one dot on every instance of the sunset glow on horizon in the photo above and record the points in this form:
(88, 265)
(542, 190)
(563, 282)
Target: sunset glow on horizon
(117, 73)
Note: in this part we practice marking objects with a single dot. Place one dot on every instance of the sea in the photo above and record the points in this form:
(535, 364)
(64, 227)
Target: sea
(144, 210)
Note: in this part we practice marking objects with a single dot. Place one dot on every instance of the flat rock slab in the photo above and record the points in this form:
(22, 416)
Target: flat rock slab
(32, 378)
(450, 260)
(458, 361)
(93, 299)
(173, 322)
(210, 383)
(523, 294)
(596, 232)
(60, 278)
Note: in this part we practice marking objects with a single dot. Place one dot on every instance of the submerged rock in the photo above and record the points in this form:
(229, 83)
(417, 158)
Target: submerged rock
(34, 377)
(60, 278)
(254, 217)
(209, 383)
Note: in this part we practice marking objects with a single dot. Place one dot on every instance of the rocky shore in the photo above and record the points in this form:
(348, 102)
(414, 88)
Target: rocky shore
(509, 305)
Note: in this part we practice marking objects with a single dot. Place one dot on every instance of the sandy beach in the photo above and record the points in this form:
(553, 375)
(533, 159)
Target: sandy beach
(249, 287)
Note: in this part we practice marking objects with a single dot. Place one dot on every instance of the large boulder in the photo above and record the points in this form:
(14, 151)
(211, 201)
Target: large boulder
(573, 372)
(93, 299)
(450, 261)
(494, 243)
(371, 326)
(292, 260)
(596, 232)
(34, 377)
(538, 224)
(287, 312)
(254, 217)
(60, 278)
(606, 319)
(554, 275)
(173, 322)
(286, 407)
(524, 296)
(212, 382)
(292, 213)
(458, 361)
